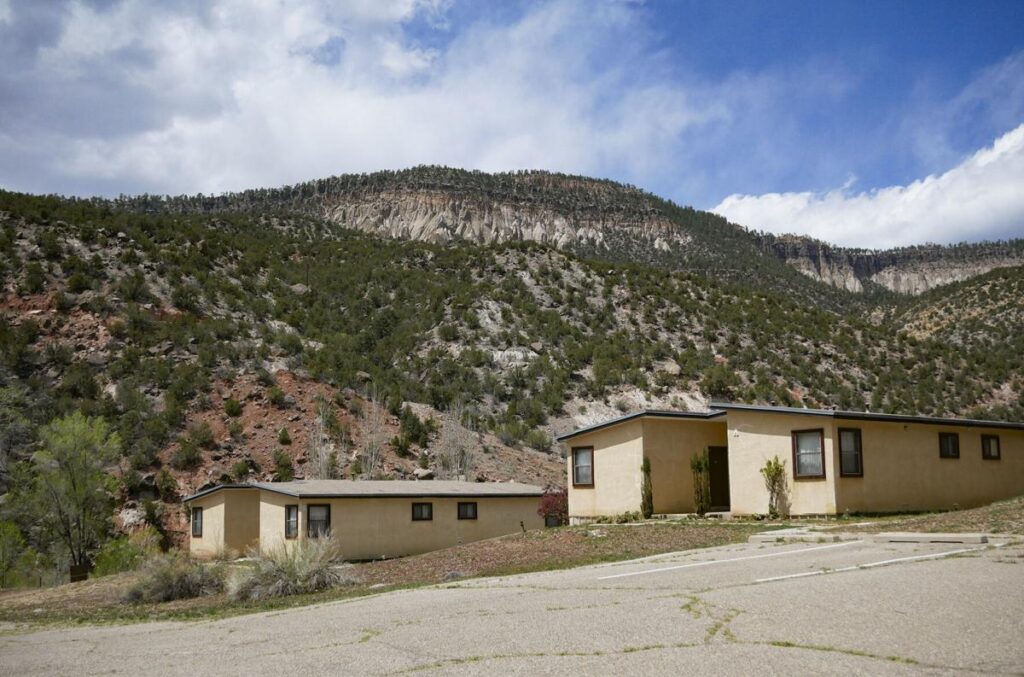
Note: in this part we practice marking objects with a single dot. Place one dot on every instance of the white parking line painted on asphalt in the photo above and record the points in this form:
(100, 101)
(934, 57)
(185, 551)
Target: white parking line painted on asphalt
(870, 565)
(731, 559)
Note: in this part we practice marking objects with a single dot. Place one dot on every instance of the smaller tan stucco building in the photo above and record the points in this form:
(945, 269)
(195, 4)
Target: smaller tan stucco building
(836, 461)
(371, 519)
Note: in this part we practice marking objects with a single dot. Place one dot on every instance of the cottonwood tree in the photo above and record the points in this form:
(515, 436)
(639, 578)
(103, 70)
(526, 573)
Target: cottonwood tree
(12, 545)
(323, 452)
(69, 489)
(454, 456)
(372, 450)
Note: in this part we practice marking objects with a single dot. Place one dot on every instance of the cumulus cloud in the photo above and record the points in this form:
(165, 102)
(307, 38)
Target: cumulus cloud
(144, 96)
(980, 198)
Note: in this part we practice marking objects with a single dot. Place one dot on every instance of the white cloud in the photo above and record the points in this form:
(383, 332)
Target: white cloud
(982, 197)
(241, 94)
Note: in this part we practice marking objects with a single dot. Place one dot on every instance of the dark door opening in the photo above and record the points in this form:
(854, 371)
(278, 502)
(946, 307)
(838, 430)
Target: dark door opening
(718, 476)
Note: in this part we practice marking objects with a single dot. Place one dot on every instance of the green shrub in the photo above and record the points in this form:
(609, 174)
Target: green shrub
(400, 443)
(774, 474)
(35, 278)
(237, 430)
(276, 397)
(307, 566)
(240, 471)
(166, 485)
(265, 378)
(127, 553)
(283, 466)
(175, 576)
(699, 466)
(78, 283)
(283, 437)
(187, 456)
(232, 407)
(201, 434)
(539, 440)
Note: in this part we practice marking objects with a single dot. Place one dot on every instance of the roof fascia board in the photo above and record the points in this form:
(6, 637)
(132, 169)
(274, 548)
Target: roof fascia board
(647, 413)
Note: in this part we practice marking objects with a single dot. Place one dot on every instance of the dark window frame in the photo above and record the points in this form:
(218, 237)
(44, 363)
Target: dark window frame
(309, 522)
(291, 535)
(956, 445)
(576, 450)
(467, 504)
(430, 511)
(984, 450)
(197, 512)
(821, 446)
(858, 436)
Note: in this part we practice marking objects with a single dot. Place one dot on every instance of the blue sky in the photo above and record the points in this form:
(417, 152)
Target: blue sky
(862, 123)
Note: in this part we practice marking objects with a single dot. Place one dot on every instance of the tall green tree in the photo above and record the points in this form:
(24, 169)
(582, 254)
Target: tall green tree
(70, 490)
(12, 545)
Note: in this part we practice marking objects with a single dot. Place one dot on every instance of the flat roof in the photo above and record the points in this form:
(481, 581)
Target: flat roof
(651, 413)
(385, 489)
(719, 409)
(869, 416)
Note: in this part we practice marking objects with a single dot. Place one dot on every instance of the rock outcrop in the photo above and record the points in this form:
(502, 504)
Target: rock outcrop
(909, 270)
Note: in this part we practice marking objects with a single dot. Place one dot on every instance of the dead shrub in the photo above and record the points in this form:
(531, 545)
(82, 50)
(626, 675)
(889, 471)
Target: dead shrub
(175, 576)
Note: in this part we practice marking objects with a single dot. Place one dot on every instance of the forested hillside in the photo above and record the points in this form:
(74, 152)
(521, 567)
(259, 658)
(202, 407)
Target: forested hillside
(263, 343)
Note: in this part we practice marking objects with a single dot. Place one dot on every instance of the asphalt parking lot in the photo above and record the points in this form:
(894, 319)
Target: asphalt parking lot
(854, 607)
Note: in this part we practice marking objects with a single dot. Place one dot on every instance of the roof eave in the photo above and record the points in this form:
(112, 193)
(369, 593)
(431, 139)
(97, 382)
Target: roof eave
(646, 413)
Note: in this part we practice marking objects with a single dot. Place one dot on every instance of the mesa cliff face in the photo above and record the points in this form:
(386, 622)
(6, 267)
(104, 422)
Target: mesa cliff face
(599, 219)
(434, 216)
(908, 270)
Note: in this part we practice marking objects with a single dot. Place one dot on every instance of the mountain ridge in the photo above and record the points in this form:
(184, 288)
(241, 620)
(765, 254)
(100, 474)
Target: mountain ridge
(599, 218)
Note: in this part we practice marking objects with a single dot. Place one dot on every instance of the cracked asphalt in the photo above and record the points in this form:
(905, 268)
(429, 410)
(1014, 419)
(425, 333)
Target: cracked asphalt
(846, 608)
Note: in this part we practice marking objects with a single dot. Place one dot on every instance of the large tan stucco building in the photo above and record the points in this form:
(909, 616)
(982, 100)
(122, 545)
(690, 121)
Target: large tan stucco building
(836, 461)
(371, 519)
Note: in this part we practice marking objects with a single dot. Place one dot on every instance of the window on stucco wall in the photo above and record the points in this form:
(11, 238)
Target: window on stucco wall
(809, 454)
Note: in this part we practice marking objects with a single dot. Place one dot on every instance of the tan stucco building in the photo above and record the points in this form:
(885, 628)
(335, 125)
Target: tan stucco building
(836, 461)
(372, 519)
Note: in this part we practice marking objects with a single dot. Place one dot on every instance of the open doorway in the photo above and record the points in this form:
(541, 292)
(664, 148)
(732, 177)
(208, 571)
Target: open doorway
(718, 478)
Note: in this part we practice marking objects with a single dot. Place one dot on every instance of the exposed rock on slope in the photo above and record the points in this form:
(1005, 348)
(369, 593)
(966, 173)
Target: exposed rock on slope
(907, 270)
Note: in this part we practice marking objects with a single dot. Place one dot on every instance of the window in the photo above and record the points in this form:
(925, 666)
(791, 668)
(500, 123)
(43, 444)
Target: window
(851, 457)
(318, 521)
(949, 445)
(197, 522)
(467, 511)
(423, 512)
(990, 447)
(583, 466)
(291, 521)
(809, 454)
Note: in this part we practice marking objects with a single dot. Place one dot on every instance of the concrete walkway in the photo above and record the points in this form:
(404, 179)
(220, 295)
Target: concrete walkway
(853, 607)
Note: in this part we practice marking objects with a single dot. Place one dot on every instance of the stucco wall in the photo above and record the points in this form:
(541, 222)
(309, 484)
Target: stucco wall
(670, 444)
(618, 452)
(272, 520)
(212, 540)
(231, 523)
(241, 520)
(754, 437)
(903, 470)
(370, 528)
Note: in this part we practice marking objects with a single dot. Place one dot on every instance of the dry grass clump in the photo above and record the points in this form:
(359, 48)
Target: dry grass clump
(175, 576)
(307, 566)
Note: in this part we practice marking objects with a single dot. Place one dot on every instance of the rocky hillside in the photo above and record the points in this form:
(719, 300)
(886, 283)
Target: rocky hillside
(268, 343)
(601, 219)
